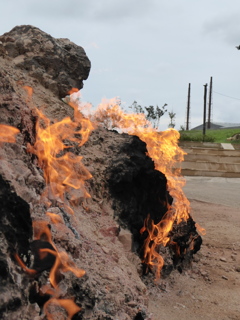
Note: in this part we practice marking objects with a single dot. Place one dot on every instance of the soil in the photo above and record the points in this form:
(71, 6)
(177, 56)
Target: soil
(211, 288)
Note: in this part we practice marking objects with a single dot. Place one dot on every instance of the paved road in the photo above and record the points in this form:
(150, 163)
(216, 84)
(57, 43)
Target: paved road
(224, 191)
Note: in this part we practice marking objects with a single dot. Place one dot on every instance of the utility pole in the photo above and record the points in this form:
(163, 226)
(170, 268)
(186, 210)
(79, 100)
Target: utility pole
(188, 106)
(204, 109)
(210, 105)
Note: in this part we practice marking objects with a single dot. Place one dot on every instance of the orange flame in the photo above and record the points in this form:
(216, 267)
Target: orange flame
(62, 170)
(29, 91)
(23, 266)
(8, 133)
(55, 218)
(62, 264)
(167, 155)
(41, 231)
(73, 90)
(68, 304)
(200, 229)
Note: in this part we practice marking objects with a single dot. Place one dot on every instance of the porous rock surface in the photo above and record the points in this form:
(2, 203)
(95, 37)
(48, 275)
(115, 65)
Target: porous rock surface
(112, 287)
(58, 64)
(124, 187)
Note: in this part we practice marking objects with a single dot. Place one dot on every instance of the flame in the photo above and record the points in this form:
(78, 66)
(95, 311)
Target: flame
(200, 229)
(163, 148)
(68, 304)
(62, 262)
(41, 231)
(55, 218)
(8, 133)
(63, 170)
(29, 91)
(23, 266)
(61, 265)
(73, 90)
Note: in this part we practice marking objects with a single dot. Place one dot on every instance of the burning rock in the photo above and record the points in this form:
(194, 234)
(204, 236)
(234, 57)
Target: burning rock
(72, 255)
(140, 196)
(163, 148)
(137, 188)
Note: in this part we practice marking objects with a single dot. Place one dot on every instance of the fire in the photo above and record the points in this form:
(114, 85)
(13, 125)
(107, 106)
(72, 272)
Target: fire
(8, 133)
(73, 90)
(29, 91)
(63, 170)
(200, 229)
(62, 264)
(68, 304)
(55, 218)
(41, 231)
(164, 150)
(23, 266)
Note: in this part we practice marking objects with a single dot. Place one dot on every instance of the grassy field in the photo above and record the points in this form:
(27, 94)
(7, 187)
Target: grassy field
(219, 135)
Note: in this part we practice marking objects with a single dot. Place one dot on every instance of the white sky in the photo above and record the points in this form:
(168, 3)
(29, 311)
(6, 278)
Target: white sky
(147, 50)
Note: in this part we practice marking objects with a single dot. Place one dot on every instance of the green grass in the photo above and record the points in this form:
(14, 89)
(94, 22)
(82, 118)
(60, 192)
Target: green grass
(218, 136)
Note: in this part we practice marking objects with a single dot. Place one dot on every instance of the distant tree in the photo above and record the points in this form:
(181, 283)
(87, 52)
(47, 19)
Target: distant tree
(136, 107)
(160, 112)
(172, 116)
(182, 128)
(153, 114)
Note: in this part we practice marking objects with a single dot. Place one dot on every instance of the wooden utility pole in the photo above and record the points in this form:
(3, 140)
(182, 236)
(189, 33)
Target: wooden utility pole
(188, 106)
(204, 109)
(210, 105)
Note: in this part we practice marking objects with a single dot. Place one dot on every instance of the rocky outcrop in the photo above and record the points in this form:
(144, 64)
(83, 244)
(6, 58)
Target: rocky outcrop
(97, 238)
(112, 287)
(58, 64)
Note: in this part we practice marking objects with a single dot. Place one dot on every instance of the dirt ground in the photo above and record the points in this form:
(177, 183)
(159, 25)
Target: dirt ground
(211, 288)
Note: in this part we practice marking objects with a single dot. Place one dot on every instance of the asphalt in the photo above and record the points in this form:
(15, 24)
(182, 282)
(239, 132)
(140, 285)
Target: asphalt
(223, 191)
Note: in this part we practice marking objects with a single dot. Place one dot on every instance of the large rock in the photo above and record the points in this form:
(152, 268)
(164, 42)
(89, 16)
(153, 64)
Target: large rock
(90, 236)
(124, 189)
(58, 64)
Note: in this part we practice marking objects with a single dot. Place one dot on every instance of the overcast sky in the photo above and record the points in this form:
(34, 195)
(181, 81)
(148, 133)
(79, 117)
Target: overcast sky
(148, 50)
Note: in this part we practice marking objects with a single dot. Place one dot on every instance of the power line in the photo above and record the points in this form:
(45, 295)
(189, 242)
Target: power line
(221, 94)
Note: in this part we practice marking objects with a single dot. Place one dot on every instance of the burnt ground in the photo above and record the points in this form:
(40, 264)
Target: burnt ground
(210, 289)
